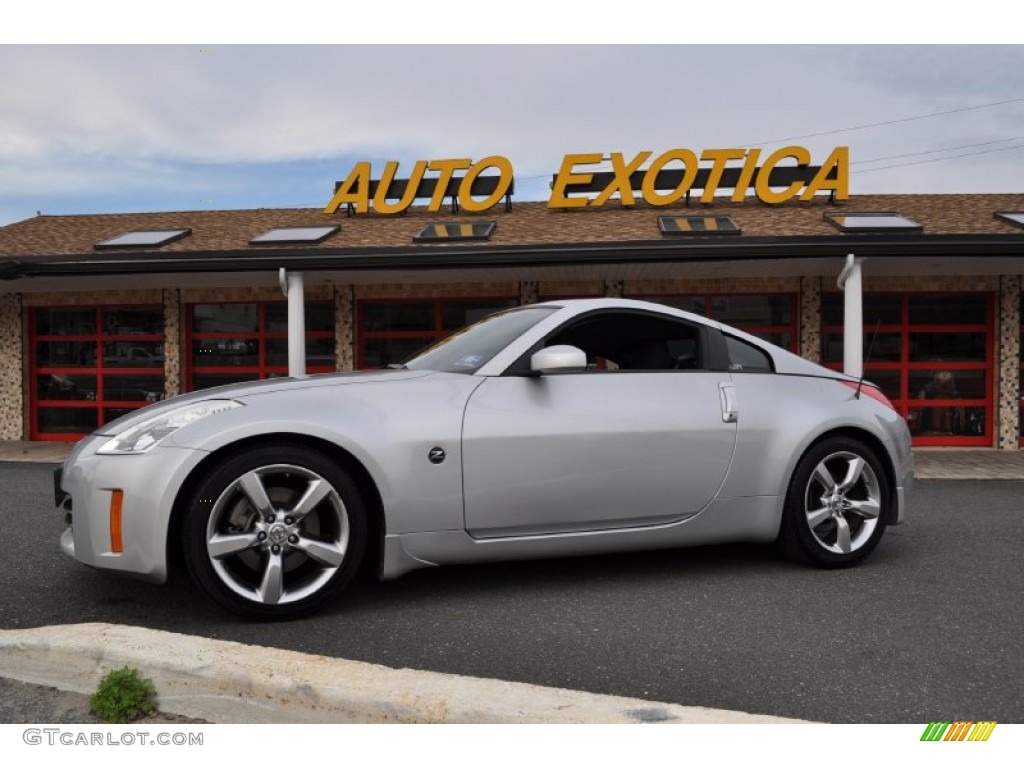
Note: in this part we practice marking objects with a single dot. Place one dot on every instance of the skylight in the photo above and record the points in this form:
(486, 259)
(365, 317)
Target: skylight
(872, 222)
(144, 238)
(449, 231)
(697, 225)
(1016, 219)
(294, 235)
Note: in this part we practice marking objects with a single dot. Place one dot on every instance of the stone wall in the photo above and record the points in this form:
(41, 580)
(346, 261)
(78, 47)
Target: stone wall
(12, 366)
(810, 318)
(1008, 372)
(344, 328)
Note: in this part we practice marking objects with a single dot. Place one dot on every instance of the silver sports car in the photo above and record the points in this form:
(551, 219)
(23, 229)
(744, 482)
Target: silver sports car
(564, 428)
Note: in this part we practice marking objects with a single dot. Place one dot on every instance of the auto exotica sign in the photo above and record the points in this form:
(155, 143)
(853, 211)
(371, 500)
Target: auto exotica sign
(780, 176)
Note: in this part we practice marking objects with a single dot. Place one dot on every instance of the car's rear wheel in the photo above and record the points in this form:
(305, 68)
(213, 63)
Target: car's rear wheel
(274, 532)
(837, 504)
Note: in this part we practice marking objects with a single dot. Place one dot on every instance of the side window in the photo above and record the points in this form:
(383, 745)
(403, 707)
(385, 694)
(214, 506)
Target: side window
(746, 357)
(634, 341)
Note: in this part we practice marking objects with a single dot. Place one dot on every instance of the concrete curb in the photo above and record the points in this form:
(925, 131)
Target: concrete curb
(227, 682)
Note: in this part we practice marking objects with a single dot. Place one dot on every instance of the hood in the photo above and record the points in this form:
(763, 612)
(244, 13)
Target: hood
(249, 389)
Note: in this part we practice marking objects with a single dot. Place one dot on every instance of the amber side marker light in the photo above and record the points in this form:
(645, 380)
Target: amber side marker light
(116, 536)
(871, 391)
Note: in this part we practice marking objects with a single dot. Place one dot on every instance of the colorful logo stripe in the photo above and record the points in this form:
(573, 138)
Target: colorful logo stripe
(961, 730)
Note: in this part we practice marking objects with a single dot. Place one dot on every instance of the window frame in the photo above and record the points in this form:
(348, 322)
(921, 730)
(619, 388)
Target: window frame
(100, 370)
(905, 405)
(262, 369)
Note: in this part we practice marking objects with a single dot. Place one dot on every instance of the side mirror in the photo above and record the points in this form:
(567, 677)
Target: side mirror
(561, 357)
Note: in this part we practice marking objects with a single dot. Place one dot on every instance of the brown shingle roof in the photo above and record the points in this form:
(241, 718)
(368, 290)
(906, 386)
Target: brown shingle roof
(528, 223)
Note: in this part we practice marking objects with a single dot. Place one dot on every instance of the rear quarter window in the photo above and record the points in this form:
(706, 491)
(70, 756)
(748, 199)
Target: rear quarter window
(746, 358)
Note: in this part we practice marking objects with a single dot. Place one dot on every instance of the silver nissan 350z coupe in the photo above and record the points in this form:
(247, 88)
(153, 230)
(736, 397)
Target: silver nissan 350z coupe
(564, 428)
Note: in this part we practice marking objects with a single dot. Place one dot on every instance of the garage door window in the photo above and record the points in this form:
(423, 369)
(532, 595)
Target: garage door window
(90, 365)
(932, 355)
(230, 343)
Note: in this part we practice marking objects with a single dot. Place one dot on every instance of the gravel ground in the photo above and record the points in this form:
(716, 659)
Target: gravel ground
(27, 703)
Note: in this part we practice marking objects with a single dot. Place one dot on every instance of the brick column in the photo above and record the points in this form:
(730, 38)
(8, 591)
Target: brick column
(810, 318)
(344, 328)
(529, 292)
(172, 342)
(12, 424)
(613, 289)
(1008, 389)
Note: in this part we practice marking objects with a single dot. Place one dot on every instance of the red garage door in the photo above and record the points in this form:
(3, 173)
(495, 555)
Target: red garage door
(933, 356)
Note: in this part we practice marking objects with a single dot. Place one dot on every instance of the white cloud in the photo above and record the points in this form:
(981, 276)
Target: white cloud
(75, 118)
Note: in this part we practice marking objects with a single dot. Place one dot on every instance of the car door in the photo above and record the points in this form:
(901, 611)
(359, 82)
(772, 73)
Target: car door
(638, 438)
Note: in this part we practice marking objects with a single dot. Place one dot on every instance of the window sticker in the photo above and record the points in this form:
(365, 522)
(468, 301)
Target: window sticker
(469, 361)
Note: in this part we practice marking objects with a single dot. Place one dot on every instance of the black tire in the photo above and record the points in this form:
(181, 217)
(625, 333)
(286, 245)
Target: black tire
(274, 532)
(837, 526)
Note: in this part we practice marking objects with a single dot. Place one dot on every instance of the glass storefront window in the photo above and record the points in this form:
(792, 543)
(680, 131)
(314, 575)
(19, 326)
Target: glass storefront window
(878, 309)
(932, 356)
(90, 365)
(399, 316)
(947, 309)
(948, 345)
(66, 421)
(232, 343)
(886, 347)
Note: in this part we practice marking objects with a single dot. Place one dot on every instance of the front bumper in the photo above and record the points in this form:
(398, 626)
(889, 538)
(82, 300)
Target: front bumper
(149, 482)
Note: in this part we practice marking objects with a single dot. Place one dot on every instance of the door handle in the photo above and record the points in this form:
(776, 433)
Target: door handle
(730, 404)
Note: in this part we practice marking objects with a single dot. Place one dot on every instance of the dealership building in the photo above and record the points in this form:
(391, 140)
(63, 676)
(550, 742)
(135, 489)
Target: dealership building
(103, 313)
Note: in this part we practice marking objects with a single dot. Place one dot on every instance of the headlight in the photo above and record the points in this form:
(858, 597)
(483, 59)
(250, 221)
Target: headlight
(146, 434)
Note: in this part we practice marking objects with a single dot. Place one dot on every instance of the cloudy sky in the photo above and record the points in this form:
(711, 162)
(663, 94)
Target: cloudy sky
(116, 128)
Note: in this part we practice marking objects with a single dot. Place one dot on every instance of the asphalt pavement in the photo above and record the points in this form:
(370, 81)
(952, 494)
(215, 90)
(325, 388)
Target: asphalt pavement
(928, 628)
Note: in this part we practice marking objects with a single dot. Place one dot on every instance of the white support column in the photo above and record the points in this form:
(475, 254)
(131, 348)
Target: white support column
(292, 287)
(851, 283)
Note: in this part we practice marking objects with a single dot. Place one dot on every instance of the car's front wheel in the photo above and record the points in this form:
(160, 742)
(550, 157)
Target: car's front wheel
(837, 504)
(274, 532)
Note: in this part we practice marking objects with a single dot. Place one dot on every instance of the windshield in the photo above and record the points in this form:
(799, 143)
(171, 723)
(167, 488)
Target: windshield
(467, 349)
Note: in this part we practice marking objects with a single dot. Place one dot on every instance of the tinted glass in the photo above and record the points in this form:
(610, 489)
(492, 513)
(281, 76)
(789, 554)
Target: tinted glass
(67, 420)
(886, 347)
(133, 354)
(944, 384)
(746, 357)
(945, 420)
(398, 316)
(225, 318)
(752, 310)
(949, 309)
(60, 321)
(319, 316)
(319, 352)
(225, 352)
(133, 321)
(66, 354)
(60, 386)
(145, 389)
(886, 308)
(948, 346)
